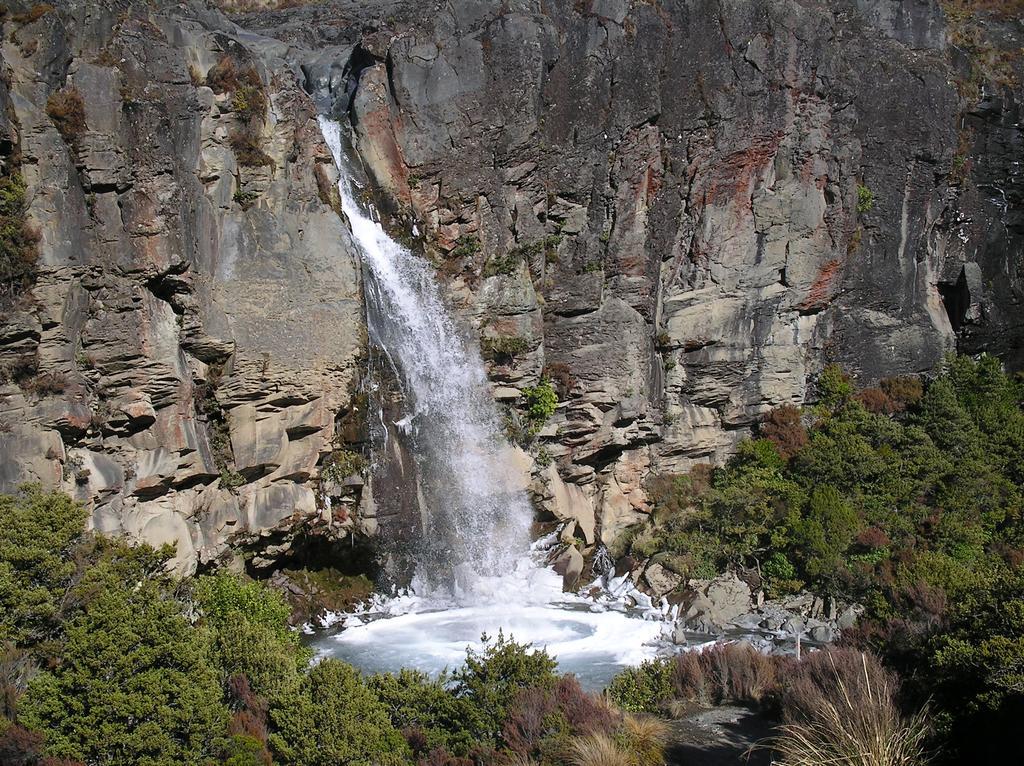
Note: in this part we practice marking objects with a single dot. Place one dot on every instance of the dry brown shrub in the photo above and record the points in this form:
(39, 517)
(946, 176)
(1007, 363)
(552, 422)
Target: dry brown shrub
(67, 110)
(673, 493)
(517, 759)
(561, 376)
(1006, 9)
(248, 151)
(525, 725)
(45, 383)
(751, 675)
(783, 428)
(877, 401)
(34, 13)
(586, 713)
(726, 673)
(688, 677)
(223, 76)
(904, 391)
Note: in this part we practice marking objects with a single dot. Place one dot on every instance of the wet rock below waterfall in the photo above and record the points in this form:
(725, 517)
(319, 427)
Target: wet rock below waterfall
(314, 593)
(726, 603)
(569, 564)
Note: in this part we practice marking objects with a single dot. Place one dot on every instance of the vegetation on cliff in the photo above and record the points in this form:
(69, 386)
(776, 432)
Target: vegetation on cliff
(907, 498)
(18, 240)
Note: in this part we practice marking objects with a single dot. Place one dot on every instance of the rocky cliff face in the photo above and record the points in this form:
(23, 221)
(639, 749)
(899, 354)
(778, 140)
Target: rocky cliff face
(681, 211)
(677, 211)
(195, 329)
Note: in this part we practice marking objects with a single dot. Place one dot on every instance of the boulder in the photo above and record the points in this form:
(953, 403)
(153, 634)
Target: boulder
(848, 617)
(823, 634)
(718, 602)
(749, 621)
(794, 626)
(679, 635)
(569, 502)
(569, 564)
(661, 580)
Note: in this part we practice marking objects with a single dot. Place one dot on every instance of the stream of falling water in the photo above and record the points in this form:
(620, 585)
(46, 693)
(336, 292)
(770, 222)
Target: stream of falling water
(476, 570)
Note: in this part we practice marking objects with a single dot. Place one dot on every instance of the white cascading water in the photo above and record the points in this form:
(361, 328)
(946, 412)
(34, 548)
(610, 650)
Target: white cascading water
(477, 515)
(476, 570)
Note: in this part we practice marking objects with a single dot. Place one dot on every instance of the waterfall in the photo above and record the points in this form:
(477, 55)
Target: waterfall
(476, 515)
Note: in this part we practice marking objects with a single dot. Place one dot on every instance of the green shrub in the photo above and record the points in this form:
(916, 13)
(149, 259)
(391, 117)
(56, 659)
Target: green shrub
(466, 246)
(502, 265)
(245, 198)
(39, 531)
(491, 678)
(865, 199)
(503, 348)
(826, 532)
(249, 103)
(136, 683)
(231, 479)
(248, 624)
(834, 386)
(646, 688)
(341, 464)
(334, 718)
(419, 703)
(781, 575)
(977, 663)
(541, 401)
(225, 597)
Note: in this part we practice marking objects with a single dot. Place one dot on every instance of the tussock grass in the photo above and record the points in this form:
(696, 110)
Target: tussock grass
(598, 750)
(645, 738)
(844, 713)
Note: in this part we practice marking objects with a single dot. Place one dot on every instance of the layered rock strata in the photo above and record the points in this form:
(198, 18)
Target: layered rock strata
(678, 212)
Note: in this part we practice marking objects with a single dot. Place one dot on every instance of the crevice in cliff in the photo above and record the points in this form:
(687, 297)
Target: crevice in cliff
(360, 60)
(956, 300)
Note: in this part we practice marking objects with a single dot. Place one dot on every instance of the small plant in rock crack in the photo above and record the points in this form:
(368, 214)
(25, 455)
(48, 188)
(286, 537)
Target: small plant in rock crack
(231, 479)
(466, 246)
(503, 349)
(541, 402)
(865, 199)
(73, 466)
(18, 240)
(544, 458)
(245, 198)
(341, 464)
(67, 111)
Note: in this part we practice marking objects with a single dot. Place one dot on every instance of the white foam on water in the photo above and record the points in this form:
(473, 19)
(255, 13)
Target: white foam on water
(591, 638)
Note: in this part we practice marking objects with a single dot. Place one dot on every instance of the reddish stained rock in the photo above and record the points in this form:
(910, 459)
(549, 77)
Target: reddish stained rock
(820, 294)
(732, 178)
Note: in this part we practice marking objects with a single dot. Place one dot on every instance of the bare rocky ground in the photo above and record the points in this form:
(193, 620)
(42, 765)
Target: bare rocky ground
(722, 736)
